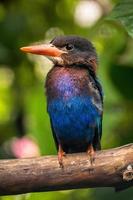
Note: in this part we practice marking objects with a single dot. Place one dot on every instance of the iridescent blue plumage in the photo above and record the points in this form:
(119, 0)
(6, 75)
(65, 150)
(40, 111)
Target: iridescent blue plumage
(75, 108)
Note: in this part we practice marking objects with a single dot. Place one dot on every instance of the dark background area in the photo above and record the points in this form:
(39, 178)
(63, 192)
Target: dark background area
(24, 122)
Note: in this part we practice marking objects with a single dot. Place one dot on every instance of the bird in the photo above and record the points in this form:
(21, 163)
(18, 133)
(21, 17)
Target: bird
(74, 94)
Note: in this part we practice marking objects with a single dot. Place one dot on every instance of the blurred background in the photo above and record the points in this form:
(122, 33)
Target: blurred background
(24, 122)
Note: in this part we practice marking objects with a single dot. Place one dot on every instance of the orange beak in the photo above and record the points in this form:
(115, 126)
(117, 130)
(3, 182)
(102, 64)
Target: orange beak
(46, 50)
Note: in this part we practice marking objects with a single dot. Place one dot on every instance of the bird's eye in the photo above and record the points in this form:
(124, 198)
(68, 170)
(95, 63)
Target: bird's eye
(69, 47)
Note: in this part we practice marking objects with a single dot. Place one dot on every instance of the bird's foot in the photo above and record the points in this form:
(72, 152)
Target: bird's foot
(91, 153)
(61, 154)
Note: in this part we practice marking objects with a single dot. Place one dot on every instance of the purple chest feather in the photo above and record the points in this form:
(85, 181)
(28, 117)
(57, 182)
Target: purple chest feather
(67, 82)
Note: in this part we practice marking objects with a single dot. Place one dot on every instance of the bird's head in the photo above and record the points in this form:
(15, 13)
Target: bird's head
(67, 51)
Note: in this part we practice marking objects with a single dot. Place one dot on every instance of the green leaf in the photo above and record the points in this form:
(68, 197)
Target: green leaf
(123, 12)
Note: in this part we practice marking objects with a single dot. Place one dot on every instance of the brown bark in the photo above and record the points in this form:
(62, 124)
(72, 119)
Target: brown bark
(111, 168)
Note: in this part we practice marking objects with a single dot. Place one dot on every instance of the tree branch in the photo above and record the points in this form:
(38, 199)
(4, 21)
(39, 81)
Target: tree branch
(111, 168)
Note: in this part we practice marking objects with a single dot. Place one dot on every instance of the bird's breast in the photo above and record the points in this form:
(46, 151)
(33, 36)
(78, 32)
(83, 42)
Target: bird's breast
(66, 83)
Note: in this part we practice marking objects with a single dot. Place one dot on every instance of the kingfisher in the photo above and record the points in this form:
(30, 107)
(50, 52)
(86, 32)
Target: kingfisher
(74, 94)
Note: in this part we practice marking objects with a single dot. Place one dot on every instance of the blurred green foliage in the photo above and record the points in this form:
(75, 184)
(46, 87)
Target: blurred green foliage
(22, 78)
(123, 12)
